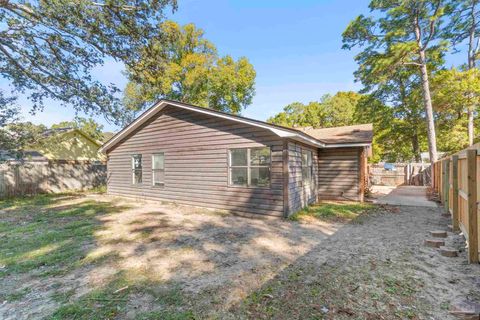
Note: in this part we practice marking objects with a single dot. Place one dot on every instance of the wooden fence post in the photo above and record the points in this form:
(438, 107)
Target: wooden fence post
(444, 182)
(454, 199)
(446, 185)
(472, 206)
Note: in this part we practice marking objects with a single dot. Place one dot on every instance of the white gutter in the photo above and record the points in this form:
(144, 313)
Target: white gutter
(339, 145)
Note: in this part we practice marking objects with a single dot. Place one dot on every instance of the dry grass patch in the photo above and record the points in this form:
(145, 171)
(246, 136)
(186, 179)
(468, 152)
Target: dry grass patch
(336, 211)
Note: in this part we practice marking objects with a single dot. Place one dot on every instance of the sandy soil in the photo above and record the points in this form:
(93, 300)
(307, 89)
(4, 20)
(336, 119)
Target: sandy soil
(219, 261)
(376, 268)
(198, 250)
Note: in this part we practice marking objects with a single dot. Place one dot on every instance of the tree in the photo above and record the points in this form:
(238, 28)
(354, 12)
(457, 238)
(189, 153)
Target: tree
(400, 34)
(48, 49)
(8, 111)
(330, 111)
(16, 137)
(180, 64)
(87, 126)
(398, 119)
(465, 26)
(455, 93)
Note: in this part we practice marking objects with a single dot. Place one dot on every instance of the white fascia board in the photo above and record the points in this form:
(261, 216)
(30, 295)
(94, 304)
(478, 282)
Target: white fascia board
(339, 145)
(278, 131)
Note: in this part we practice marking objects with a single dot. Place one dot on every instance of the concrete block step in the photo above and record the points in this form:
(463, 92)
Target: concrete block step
(434, 243)
(466, 310)
(438, 234)
(448, 251)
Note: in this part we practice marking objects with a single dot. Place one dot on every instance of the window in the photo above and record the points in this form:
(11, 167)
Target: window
(137, 168)
(307, 166)
(158, 169)
(250, 167)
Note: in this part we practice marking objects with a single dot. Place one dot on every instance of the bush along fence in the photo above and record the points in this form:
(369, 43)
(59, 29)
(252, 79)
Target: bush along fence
(32, 177)
(456, 181)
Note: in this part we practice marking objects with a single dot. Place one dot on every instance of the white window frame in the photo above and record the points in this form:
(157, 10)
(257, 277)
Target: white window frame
(133, 168)
(249, 166)
(161, 184)
(309, 166)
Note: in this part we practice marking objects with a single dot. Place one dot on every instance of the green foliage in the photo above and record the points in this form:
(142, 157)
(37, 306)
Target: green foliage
(48, 49)
(17, 136)
(330, 111)
(401, 47)
(455, 93)
(464, 26)
(88, 126)
(180, 64)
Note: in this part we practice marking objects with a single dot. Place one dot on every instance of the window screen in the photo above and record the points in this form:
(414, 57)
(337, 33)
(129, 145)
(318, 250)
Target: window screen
(137, 168)
(250, 167)
(158, 169)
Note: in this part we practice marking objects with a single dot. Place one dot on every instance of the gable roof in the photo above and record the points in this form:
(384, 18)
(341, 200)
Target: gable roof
(55, 131)
(280, 131)
(361, 133)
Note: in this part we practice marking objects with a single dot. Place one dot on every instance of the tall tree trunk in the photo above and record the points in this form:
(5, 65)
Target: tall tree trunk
(416, 148)
(427, 99)
(427, 104)
(470, 126)
(471, 64)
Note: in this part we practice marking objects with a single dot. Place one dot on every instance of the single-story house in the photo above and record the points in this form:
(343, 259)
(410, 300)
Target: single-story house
(60, 145)
(197, 156)
(69, 144)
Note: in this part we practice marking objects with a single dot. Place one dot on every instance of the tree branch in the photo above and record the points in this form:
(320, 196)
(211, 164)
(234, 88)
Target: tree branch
(27, 73)
(432, 27)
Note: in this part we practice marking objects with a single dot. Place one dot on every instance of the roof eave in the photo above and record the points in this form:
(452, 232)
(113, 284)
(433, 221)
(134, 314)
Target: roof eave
(353, 144)
(283, 133)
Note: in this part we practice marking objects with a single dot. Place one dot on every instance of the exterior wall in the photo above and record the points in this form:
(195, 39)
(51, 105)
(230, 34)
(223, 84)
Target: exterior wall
(298, 194)
(340, 173)
(196, 162)
(71, 146)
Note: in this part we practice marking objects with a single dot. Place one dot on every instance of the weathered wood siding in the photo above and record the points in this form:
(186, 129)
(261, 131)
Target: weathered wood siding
(53, 176)
(196, 162)
(298, 194)
(339, 174)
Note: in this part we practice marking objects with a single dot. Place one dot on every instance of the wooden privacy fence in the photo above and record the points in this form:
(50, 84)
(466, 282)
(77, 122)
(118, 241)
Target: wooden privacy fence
(456, 181)
(414, 174)
(31, 177)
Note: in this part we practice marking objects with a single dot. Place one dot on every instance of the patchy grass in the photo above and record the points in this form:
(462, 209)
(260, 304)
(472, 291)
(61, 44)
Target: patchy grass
(102, 189)
(37, 235)
(337, 291)
(111, 301)
(333, 211)
(44, 237)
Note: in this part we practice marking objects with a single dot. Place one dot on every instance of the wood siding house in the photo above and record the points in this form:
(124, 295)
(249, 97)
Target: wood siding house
(196, 156)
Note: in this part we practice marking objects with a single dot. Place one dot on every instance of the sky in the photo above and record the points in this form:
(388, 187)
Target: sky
(294, 46)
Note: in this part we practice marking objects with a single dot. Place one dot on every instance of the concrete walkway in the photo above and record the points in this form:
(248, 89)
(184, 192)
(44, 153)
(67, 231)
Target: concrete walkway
(406, 196)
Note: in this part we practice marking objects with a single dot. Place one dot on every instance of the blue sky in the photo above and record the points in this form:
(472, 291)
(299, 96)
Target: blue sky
(295, 47)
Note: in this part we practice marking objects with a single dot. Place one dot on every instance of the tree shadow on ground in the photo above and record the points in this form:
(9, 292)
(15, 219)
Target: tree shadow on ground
(98, 258)
(373, 268)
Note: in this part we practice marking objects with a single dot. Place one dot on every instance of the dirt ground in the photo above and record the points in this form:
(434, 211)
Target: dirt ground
(144, 259)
